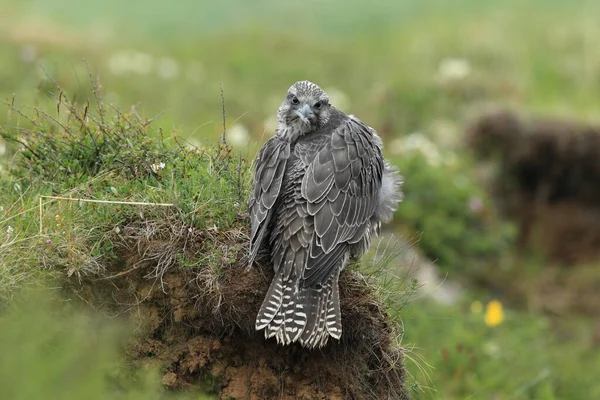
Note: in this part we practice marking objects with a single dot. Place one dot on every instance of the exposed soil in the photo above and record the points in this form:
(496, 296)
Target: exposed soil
(198, 323)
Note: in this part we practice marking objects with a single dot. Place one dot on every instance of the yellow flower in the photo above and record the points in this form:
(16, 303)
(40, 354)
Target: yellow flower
(476, 307)
(494, 315)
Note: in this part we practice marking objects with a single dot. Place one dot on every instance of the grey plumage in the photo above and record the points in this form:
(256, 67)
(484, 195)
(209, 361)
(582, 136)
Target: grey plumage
(321, 189)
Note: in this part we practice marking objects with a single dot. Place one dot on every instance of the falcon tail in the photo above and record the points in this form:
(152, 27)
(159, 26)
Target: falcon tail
(306, 315)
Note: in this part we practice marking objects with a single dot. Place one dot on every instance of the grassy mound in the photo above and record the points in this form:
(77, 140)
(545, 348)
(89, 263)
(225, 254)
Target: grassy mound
(197, 318)
(151, 228)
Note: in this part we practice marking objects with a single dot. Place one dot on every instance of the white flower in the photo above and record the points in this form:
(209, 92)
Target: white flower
(445, 133)
(141, 63)
(28, 53)
(417, 142)
(453, 69)
(9, 231)
(118, 63)
(130, 61)
(238, 135)
(433, 156)
(492, 349)
(167, 68)
(157, 167)
(270, 124)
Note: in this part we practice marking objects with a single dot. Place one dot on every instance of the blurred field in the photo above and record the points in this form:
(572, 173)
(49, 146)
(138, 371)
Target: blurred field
(392, 61)
(417, 71)
(55, 351)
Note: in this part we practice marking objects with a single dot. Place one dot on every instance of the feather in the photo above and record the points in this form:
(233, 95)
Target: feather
(271, 304)
(268, 177)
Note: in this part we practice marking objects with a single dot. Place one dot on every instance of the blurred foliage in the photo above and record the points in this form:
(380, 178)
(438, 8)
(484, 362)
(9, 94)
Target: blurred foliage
(392, 67)
(526, 357)
(51, 350)
(453, 215)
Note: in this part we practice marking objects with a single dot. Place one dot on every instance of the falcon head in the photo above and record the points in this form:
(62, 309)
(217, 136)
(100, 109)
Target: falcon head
(306, 108)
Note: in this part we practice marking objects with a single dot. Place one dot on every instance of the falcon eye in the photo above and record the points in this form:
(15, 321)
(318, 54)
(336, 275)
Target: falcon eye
(295, 100)
(318, 104)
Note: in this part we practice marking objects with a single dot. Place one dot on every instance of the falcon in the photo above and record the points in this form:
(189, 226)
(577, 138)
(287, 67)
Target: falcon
(321, 191)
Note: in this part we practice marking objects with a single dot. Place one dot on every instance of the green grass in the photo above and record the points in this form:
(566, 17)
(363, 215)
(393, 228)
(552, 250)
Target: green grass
(385, 57)
(526, 357)
(105, 156)
(52, 350)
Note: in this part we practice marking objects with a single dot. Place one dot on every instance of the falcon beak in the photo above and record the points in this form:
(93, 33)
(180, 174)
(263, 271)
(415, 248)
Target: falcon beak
(304, 113)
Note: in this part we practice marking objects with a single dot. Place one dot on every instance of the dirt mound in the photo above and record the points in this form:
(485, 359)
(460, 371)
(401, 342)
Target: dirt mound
(547, 178)
(196, 319)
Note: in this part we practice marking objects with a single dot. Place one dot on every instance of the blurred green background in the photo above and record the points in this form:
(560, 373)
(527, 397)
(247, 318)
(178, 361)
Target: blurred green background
(416, 71)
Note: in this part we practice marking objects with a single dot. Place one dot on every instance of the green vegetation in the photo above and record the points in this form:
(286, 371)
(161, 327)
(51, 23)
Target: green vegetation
(108, 157)
(52, 350)
(456, 222)
(416, 71)
(526, 357)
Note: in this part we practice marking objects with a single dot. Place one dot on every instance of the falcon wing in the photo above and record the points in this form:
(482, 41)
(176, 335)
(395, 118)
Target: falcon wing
(268, 176)
(341, 188)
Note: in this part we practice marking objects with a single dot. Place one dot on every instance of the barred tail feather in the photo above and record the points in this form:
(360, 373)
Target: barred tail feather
(307, 315)
(334, 317)
(272, 303)
(314, 301)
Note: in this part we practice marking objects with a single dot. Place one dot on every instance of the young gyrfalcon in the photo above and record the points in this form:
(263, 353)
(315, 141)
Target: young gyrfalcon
(321, 189)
